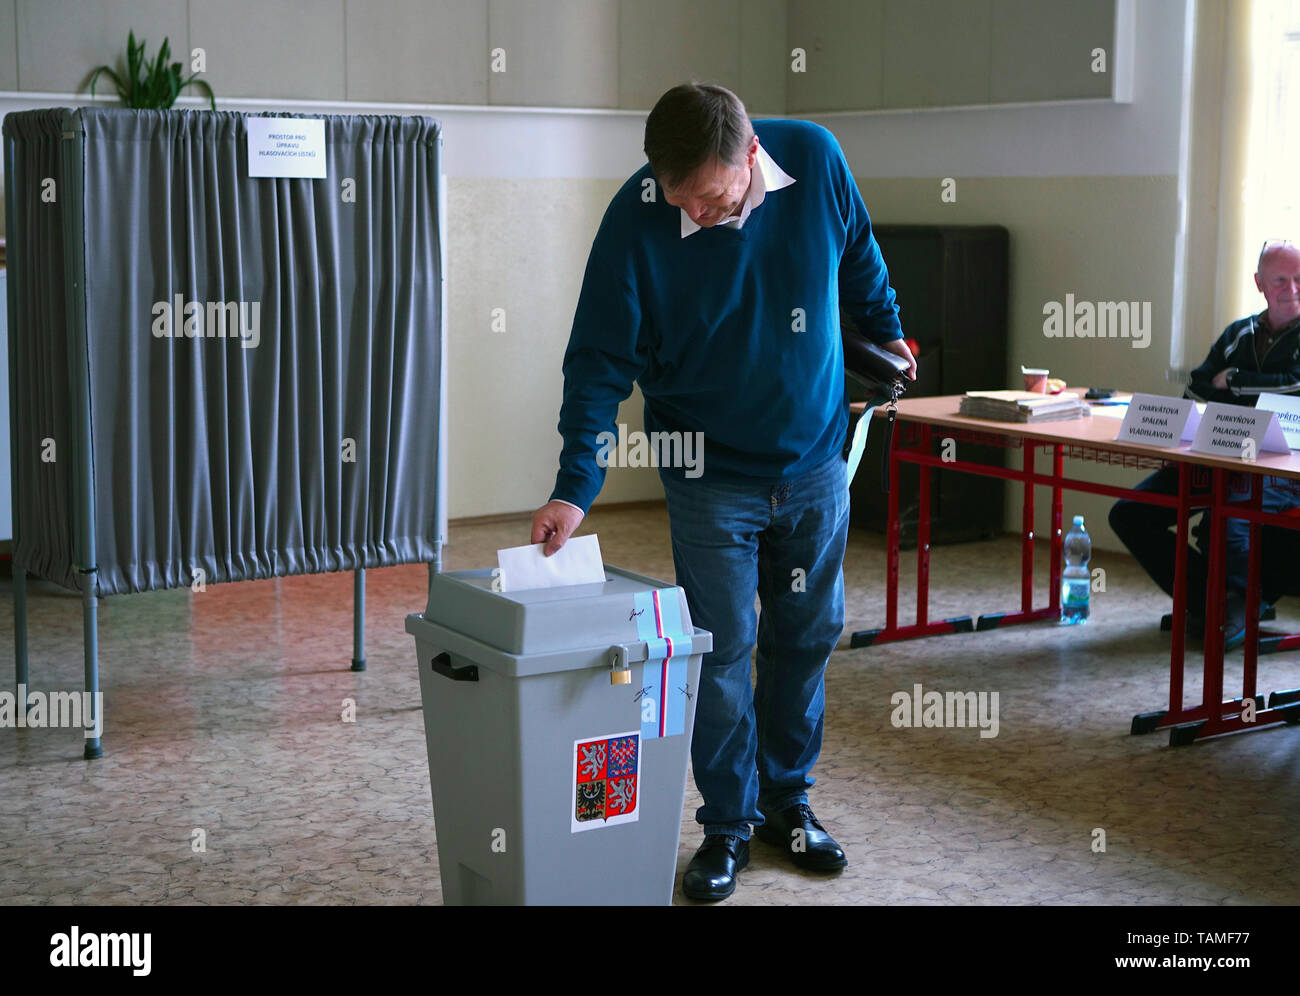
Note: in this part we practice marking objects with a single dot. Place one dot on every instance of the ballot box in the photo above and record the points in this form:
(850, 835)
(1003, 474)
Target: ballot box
(558, 723)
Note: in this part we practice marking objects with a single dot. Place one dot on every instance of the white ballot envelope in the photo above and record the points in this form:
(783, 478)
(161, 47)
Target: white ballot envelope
(577, 562)
(859, 442)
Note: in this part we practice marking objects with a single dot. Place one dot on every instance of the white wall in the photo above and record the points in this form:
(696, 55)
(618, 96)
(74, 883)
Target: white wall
(1092, 196)
(1090, 192)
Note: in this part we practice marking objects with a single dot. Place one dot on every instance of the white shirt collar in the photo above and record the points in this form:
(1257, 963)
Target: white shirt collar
(768, 176)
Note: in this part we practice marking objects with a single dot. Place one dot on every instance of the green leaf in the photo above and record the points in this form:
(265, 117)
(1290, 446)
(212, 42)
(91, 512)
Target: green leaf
(149, 83)
(107, 71)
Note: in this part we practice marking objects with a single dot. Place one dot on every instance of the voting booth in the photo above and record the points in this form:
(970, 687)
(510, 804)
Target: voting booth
(558, 723)
(226, 351)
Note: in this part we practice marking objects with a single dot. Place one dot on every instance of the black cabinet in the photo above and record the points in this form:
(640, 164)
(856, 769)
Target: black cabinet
(951, 282)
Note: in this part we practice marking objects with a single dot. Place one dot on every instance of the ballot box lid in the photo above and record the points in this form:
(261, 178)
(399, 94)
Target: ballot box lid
(549, 620)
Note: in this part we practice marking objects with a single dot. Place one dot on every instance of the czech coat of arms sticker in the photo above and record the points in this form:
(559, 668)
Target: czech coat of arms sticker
(606, 772)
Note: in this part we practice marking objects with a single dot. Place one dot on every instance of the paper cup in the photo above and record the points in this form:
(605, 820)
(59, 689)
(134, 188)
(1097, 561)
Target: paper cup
(1035, 380)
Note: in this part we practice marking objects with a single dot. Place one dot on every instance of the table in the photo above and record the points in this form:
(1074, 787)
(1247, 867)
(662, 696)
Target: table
(1093, 439)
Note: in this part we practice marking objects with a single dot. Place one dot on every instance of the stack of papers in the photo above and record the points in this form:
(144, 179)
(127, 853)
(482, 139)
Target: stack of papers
(1021, 406)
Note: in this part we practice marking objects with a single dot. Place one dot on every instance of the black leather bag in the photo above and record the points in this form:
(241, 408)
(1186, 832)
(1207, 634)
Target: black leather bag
(878, 371)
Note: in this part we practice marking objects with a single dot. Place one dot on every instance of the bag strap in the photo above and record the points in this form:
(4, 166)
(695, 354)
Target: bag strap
(891, 410)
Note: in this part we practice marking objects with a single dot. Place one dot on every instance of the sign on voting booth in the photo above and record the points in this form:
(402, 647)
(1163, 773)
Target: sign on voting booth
(279, 146)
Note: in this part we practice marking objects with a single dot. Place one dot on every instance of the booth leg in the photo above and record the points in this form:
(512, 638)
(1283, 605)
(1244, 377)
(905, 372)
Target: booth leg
(359, 619)
(20, 631)
(90, 636)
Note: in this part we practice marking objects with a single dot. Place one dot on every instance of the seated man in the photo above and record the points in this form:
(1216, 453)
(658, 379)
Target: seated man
(1256, 354)
(1279, 553)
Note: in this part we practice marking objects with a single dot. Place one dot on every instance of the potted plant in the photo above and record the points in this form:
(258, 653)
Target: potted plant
(153, 84)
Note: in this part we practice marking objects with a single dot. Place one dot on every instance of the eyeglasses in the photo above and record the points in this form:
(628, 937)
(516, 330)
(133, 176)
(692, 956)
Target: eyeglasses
(1269, 246)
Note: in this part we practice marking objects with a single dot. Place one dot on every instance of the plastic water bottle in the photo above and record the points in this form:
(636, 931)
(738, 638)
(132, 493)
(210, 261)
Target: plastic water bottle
(1076, 581)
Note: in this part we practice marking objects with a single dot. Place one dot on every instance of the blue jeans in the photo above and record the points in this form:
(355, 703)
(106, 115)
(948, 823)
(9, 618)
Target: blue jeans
(755, 744)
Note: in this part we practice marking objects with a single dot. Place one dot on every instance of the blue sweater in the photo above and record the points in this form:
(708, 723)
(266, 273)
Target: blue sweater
(709, 325)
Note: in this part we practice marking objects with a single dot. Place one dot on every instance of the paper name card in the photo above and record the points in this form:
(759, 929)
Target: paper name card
(286, 147)
(577, 562)
(1241, 433)
(1159, 421)
(1287, 409)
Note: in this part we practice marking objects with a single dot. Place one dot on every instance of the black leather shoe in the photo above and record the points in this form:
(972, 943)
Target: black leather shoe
(799, 833)
(711, 875)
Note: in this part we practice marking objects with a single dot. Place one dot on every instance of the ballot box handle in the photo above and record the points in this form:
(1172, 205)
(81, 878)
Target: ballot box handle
(442, 664)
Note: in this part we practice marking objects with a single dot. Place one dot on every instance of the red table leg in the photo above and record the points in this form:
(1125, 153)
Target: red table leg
(923, 535)
(1027, 613)
(1213, 668)
(1252, 593)
(917, 440)
(893, 531)
(1178, 636)
(1027, 535)
(1176, 715)
(1218, 716)
(1054, 590)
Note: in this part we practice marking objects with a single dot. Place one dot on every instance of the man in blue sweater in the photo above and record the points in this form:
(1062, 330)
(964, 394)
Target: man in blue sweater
(714, 283)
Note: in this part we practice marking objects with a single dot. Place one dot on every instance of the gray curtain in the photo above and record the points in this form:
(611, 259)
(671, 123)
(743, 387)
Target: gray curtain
(305, 440)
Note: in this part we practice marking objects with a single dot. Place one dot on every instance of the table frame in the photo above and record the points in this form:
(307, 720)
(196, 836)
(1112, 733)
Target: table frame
(1214, 715)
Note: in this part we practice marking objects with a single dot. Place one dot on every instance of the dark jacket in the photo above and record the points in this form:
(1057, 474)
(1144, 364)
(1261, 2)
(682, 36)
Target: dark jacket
(1278, 374)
